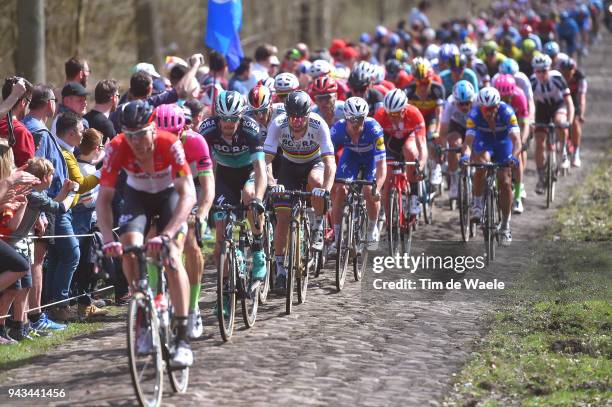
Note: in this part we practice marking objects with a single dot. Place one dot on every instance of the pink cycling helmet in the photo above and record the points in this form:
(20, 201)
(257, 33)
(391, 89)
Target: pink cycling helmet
(505, 84)
(170, 118)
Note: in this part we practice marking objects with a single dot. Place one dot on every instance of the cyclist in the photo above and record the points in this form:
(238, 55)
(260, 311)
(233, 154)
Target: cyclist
(553, 102)
(445, 54)
(457, 70)
(396, 74)
(364, 149)
(404, 129)
(577, 83)
(307, 159)
(284, 84)
(514, 97)
(172, 118)
(237, 149)
(453, 127)
(528, 47)
(323, 91)
(568, 32)
(159, 183)
(360, 85)
(259, 108)
(492, 57)
(469, 50)
(493, 134)
(428, 97)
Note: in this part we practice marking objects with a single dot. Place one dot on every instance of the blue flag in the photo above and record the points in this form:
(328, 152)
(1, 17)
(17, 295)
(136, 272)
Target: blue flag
(223, 28)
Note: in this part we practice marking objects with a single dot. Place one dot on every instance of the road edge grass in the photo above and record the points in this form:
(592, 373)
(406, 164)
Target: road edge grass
(551, 345)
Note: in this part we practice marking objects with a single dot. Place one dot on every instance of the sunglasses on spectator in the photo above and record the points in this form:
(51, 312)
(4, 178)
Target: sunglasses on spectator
(230, 119)
(137, 133)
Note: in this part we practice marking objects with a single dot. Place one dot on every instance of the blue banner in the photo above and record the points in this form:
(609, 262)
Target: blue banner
(223, 30)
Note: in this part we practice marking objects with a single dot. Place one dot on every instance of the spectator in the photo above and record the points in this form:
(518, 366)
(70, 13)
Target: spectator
(74, 99)
(42, 108)
(63, 256)
(83, 217)
(77, 70)
(37, 201)
(158, 82)
(418, 16)
(197, 113)
(107, 98)
(239, 81)
(21, 139)
(260, 69)
(18, 90)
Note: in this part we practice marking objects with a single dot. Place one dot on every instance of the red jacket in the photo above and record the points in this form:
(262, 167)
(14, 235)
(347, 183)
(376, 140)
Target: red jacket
(24, 148)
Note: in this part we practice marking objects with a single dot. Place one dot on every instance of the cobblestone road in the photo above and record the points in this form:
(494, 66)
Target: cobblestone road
(336, 349)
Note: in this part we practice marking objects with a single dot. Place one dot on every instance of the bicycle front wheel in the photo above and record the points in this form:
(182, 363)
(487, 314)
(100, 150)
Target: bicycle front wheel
(491, 226)
(268, 246)
(344, 244)
(464, 207)
(249, 296)
(393, 228)
(360, 243)
(144, 351)
(306, 260)
(291, 268)
(226, 291)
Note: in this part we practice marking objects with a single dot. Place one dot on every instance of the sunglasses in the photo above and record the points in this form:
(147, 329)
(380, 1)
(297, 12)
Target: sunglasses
(324, 97)
(540, 70)
(298, 119)
(395, 115)
(421, 82)
(230, 119)
(355, 119)
(260, 112)
(488, 109)
(359, 90)
(137, 133)
(464, 103)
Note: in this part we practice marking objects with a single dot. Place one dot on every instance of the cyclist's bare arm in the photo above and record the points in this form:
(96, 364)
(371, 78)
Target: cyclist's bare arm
(570, 107)
(515, 136)
(381, 174)
(260, 178)
(104, 211)
(187, 199)
(443, 130)
(270, 176)
(207, 182)
(329, 161)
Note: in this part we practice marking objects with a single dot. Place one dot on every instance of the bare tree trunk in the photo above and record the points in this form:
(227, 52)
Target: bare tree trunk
(304, 22)
(148, 32)
(31, 40)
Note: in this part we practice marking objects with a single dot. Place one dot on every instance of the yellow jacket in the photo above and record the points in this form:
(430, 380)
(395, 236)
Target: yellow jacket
(74, 172)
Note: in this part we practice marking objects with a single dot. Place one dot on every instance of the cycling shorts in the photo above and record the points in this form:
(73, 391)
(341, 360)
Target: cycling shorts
(545, 114)
(229, 182)
(394, 148)
(499, 149)
(141, 207)
(350, 164)
(294, 177)
(454, 127)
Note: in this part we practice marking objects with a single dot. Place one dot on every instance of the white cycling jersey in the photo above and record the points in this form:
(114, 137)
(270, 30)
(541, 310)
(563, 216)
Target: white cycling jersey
(315, 143)
(452, 113)
(552, 91)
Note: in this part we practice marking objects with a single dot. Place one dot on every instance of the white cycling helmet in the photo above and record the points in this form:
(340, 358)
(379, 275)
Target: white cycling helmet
(319, 67)
(229, 103)
(468, 49)
(395, 100)
(541, 61)
(286, 82)
(431, 52)
(379, 74)
(268, 83)
(355, 107)
(488, 97)
(367, 68)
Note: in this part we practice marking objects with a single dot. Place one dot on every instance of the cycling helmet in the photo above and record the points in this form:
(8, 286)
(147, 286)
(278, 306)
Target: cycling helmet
(429, 34)
(468, 49)
(463, 91)
(286, 82)
(561, 56)
(447, 51)
(394, 39)
(170, 117)
(136, 114)
(379, 74)
(355, 107)
(395, 101)
(421, 68)
(528, 46)
(551, 49)
(358, 79)
(260, 97)
(509, 66)
(268, 83)
(488, 97)
(319, 67)
(229, 103)
(564, 15)
(489, 47)
(393, 67)
(541, 61)
(381, 31)
(364, 66)
(431, 52)
(297, 104)
(505, 84)
(457, 62)
(323, 85)
(526, 29)
(567, 64)
(364, 38)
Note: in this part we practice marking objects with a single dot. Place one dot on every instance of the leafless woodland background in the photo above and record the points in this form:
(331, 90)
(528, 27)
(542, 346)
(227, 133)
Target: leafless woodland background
(104, 31)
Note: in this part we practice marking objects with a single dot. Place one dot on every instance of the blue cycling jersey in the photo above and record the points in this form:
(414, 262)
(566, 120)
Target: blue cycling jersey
(505, 122)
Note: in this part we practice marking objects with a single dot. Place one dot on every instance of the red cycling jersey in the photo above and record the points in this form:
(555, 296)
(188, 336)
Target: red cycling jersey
(168, 161)
(412, 123)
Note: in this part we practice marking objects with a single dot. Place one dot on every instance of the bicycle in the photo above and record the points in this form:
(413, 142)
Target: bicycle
(239, 283)
(451, 201)
(491, 217)
(464, 201)
(352, 239)
(268, 247)
(400, 224)
(300, 259)
(552, 161)
(146, 316)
